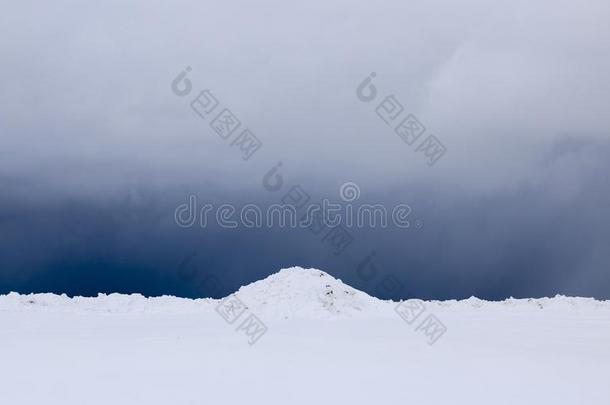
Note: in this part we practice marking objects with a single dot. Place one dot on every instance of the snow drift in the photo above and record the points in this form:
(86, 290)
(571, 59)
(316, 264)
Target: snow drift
(290, 293)
(323, 342)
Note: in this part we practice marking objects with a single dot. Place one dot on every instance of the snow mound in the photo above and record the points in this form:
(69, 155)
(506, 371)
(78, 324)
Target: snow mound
(306, 293)
(293, 293)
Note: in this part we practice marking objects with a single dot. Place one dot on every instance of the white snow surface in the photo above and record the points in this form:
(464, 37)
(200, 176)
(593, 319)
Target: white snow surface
(325, 343)
(308, 293)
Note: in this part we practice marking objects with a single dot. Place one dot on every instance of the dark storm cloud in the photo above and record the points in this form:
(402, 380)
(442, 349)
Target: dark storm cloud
(545, 236)
(97, 151)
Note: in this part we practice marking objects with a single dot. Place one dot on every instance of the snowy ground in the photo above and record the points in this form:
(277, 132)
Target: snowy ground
(322, 342)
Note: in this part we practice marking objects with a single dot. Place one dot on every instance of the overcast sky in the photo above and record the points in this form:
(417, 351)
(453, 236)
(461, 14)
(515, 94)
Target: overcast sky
(96, 150)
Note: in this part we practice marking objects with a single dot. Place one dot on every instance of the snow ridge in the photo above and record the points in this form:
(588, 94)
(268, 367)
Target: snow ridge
(290, 293)
(307, 293)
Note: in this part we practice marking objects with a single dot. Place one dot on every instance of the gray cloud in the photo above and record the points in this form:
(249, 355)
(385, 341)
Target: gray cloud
(517, 92)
